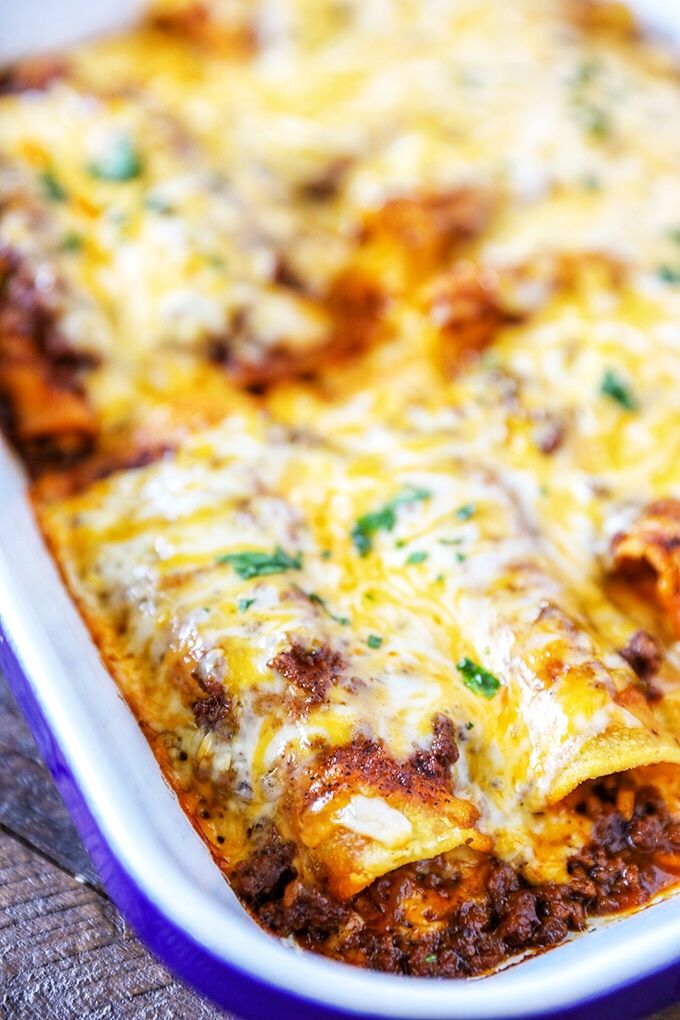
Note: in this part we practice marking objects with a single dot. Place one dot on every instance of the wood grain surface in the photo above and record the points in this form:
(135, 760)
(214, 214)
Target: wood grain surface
(65, 951)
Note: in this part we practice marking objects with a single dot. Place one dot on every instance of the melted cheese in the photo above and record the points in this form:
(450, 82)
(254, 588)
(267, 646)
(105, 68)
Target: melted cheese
(494, 550)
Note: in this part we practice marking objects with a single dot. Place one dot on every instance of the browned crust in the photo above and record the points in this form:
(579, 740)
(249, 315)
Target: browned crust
(424, 230)
(310, 670)
(45, 408)
(365, 763)
(34, 74)
(468, 310)
(650, 550)
(601, 17)
(194, 22)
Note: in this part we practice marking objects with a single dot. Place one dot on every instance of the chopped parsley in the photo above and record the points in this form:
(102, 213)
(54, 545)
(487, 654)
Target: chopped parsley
(244, 604)
(593, 117)
(460, 557)
(52, 189)
(585, 72)
(325, 554)
(465, 512)
(120, 163)
(318, 601)
(469, 725)
(596, 122)
(432, 958)
(383, 519)
(71, 242)
(591, 182)
(617, 389)
(668, 274)
(477, 679)
(374, 641)
(418, 557)
(255, 563)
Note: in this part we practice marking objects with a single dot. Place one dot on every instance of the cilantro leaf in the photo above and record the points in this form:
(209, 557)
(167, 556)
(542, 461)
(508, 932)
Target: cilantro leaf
(255, 563)
(321, 602)
(465, 512)
(477, 679)
(383, 519)
(52, 189)
(120, 163)
(71, 242)
(668, 274)
(614, 386)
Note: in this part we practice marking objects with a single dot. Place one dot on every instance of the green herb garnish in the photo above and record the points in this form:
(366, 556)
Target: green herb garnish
(51, 187)
(614, 386)
(374, 641)
(596, 122)
(418, 557)
(477, 679)
(71, 242)
(591, 182)
(244, 604)
(585, 72)
(383, 519)
(668, 274)
(318, 601)
(432, 958)
(258, 564)
(464, 513)
(120, 163)
(469, 725)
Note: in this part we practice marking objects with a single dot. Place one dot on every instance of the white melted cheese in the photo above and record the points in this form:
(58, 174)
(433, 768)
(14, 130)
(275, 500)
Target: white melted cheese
(502, 560)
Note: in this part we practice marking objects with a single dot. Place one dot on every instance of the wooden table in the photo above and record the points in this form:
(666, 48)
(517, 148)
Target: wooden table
(65, 951)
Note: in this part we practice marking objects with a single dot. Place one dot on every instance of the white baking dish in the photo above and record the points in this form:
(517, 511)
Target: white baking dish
(152, 861)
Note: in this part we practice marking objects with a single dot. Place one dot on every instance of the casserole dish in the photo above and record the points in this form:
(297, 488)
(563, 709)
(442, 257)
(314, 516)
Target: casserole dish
(195, 923)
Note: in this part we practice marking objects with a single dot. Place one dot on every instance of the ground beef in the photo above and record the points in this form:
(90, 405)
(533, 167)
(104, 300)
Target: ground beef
(310, 670)
(644, 654)
(443, 752)
(305, 911)
(214, 710)
(264, 875)
(448, 919)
